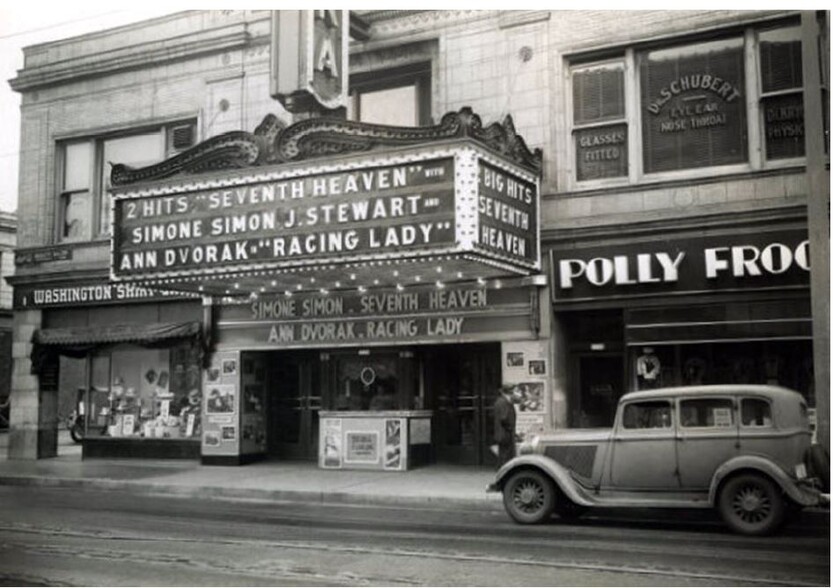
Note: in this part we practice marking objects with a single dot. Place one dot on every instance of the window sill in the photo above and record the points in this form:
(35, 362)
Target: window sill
(675, 180)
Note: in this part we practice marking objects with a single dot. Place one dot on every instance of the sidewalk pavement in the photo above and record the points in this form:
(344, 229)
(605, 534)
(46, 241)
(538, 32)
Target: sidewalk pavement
(437, 486)
(433, 486)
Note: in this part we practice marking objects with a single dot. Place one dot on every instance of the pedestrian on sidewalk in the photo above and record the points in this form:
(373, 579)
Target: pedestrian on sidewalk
(505, 425)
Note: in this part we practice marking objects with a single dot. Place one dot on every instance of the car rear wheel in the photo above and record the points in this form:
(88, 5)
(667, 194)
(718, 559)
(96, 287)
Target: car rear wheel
(751, 504)
(529, 497)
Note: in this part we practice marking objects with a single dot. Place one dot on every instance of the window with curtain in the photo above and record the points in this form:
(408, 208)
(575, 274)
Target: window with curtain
(600, 132)
(84, 210)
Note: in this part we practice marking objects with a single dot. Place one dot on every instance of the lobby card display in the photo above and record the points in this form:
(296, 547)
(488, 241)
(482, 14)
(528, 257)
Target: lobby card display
(525, 365)
(363, 443)
(253, 404)
(221, 410)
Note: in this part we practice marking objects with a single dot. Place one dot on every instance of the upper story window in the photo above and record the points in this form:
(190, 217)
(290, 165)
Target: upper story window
(84, 211)
(684, 109)
(397, 96)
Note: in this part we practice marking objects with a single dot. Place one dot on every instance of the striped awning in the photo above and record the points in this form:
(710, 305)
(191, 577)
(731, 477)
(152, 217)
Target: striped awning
(107, 334)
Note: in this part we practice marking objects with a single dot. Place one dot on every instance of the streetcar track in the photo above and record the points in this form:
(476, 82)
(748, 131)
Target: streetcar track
(595, 566)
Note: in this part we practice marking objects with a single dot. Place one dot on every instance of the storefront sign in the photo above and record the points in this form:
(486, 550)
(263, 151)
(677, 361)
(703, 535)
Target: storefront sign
(771, 259)
(89, 294)
(429, 314)
(40, 255)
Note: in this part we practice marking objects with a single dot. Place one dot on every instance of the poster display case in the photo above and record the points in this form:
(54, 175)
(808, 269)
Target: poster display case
(388, 440)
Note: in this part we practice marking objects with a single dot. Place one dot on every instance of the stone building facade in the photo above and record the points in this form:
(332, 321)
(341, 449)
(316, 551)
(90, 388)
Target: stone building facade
(661, 264)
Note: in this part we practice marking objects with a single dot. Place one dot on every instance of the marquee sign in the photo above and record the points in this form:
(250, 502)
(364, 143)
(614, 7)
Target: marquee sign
(463, 313)
(456, 200)
(728, 262)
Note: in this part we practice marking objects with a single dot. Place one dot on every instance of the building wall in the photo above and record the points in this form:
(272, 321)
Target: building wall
(213, 65)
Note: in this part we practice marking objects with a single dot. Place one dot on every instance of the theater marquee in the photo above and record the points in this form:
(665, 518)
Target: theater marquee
(418, 209)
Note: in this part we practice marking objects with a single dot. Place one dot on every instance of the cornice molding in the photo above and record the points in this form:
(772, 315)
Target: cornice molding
(558, 236)
(274, 143)
(144, 55)
(417, 21)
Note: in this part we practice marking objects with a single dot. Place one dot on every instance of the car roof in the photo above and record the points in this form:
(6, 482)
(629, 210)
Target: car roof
(775, 392)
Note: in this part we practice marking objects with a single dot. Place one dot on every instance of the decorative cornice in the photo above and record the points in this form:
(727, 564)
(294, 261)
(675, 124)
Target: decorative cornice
(273, 143)
(131, 57)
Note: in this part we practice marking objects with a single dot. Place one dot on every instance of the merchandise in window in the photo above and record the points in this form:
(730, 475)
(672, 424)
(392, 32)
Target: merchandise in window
(145, 393)
(85, 183)
(686, 107)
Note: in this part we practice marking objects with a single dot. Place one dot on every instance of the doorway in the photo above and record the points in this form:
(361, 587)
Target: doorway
(460, 385)
(600, 385)
(293, 403)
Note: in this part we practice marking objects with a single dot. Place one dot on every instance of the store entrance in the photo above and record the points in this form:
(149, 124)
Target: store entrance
(292, 405)
(461, 383)
(600, 386)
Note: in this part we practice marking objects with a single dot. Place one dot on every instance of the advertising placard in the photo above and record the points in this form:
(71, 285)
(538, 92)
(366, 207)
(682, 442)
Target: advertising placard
(331, 448)
(221, 406)
(362, 447)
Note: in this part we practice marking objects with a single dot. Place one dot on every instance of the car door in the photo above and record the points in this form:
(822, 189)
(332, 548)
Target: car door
(707, 437)
(643, 454)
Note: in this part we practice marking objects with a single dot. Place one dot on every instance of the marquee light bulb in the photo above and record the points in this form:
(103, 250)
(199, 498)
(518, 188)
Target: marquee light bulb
(352, 276)
(440, 284)
(400, 287)
(362, 289)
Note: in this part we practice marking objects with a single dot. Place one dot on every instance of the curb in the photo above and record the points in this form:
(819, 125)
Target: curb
(253, 494)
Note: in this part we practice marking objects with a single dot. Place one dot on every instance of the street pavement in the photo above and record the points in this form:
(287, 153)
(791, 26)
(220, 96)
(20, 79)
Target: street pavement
(436, 486)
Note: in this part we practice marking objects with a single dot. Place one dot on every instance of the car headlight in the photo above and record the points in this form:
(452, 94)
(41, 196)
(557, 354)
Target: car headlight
(528, 447)
(800, 471)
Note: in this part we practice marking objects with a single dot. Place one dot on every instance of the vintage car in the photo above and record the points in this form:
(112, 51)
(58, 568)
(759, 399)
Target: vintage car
(738, 448)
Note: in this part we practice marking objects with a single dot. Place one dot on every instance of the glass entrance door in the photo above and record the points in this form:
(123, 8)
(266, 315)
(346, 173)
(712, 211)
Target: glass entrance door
(294, 402)
(461, 383)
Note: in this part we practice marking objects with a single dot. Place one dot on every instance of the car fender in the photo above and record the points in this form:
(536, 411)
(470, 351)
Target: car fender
(804, 496)
(559, 475)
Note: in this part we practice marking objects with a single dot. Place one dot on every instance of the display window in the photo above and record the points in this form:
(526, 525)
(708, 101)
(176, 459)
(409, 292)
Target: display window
(779, 363)
(144, 393)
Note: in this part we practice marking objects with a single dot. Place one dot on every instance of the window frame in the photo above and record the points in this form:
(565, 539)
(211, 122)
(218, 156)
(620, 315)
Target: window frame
(734, 407)
(756, 139)
(97, 165)
(417, 74)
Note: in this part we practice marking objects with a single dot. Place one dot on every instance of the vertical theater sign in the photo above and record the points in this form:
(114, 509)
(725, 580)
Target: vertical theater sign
(309, 58)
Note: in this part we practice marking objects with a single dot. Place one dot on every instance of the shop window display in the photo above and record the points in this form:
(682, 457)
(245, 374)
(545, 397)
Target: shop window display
(779, 363)
(145, 393)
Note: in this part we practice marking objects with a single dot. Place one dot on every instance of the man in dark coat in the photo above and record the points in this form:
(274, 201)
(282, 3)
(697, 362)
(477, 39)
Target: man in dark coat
(505, 425)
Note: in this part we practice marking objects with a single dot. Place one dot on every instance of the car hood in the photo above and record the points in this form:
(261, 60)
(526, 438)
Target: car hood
(565, 436)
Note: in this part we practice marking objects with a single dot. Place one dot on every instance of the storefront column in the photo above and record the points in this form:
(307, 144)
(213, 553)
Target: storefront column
(818, 214)
(560, 359)
(33, 431)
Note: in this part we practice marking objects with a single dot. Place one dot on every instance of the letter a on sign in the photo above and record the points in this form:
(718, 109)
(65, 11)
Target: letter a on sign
(309, 58)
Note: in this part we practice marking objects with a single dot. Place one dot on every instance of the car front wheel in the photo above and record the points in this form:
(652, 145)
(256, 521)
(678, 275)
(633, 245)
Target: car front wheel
(751, 504)
(529, 497)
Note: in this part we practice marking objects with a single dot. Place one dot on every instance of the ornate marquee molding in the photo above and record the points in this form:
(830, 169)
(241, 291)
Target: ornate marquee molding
(273, 143)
